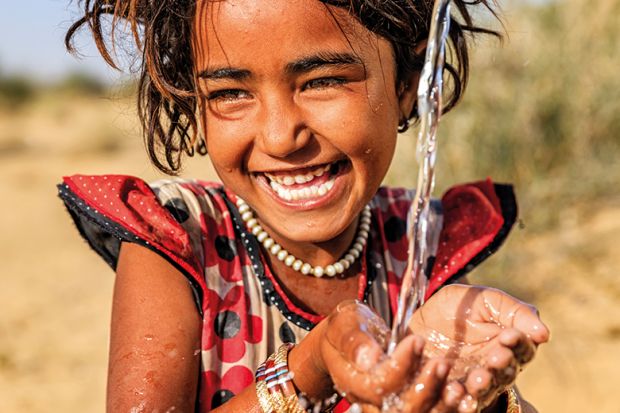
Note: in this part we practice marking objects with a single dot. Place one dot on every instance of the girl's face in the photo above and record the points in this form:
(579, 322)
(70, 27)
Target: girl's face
(301, 106)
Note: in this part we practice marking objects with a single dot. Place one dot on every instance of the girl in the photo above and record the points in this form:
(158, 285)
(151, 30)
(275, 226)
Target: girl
(298, 104)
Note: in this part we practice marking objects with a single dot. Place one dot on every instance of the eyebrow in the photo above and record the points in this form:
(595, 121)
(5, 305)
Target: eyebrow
(322, 59)
(303, 65)
(224, 73)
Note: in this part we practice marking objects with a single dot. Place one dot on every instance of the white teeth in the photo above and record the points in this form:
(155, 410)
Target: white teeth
(302, 193)
(297, 179)
(281, 184)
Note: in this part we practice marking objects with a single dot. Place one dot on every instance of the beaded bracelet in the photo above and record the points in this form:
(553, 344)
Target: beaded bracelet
(274, 386)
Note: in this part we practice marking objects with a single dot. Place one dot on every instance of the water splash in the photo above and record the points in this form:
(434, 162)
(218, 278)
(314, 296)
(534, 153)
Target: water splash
(430, 89)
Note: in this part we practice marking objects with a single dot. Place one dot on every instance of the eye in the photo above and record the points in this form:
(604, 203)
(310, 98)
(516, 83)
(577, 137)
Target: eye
(324, 82)
(228, 95)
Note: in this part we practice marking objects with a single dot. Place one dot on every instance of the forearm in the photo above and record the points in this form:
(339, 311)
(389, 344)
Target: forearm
(246, 401)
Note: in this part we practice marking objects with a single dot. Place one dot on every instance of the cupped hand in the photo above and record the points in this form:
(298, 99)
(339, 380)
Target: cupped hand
(353, 353)
(486, 334)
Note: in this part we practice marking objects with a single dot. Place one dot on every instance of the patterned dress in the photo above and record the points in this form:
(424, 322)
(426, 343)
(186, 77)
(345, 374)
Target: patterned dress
(246, 315)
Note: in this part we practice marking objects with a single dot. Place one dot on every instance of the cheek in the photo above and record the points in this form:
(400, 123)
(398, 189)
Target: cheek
(227, 142)
(354, 124)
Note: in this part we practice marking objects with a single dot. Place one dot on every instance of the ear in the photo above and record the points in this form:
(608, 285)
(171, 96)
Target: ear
(408, 94)
(408, 87)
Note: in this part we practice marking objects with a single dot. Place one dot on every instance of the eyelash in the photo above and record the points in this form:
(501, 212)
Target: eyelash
(231, 95)
(324, 82)
(226, 94)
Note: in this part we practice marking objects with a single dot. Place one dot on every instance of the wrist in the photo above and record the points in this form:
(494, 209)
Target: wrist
(310, 376)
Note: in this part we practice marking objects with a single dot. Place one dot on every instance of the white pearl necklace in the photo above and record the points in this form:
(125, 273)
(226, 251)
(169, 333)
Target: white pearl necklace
(295, 263)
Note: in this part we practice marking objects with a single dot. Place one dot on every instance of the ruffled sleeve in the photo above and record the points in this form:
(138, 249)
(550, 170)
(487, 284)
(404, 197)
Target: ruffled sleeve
(477, 218)
(111, 209)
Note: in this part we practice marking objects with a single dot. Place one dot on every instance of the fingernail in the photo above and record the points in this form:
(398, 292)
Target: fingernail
(418, 346)
(442, 371)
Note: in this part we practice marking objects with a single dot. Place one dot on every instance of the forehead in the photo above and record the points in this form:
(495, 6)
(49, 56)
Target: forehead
(241, 31)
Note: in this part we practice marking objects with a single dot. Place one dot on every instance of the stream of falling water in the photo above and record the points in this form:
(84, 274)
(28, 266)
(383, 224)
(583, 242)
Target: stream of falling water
(430, 89)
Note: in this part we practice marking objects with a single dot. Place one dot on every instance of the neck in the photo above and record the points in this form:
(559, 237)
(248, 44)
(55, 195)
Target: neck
(318, 253)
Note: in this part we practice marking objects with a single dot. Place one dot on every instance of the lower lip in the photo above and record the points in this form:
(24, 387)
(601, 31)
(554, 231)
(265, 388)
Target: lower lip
(308, 203)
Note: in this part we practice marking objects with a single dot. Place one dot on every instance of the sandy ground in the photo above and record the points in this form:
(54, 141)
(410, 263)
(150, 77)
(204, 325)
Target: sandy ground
(56, 294)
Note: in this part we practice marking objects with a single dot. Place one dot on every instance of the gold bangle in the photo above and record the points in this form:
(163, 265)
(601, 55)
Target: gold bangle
(512, 401)
(289, 397)
(263, 396)
(275, 392)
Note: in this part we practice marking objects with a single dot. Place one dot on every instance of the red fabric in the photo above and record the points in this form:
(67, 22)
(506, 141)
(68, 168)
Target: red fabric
(342, 406)
(137, 209)
(472, 219)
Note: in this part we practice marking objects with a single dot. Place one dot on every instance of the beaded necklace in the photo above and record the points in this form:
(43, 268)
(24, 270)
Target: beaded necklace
(295, 263)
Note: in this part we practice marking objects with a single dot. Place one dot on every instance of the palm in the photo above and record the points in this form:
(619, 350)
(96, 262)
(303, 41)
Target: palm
(465, 324)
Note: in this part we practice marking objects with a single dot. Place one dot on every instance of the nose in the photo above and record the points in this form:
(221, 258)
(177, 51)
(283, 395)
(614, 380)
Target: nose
(283, 130)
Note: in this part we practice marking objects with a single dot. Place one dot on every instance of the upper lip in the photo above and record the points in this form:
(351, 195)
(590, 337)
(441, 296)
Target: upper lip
(296, 169)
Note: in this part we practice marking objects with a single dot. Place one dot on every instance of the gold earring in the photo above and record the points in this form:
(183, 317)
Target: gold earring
(201, 145)
(403, 125)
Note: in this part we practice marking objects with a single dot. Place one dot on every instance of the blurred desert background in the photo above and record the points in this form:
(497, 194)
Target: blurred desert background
(542, 112)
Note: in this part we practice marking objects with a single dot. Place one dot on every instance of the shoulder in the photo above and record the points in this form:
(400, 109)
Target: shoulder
(471, 222)
(167, 216)
(130, 201)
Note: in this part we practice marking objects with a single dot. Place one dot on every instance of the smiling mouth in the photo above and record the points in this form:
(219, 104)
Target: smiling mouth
(308, 183)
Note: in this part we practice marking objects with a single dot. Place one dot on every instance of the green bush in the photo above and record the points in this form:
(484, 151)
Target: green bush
(15, 91)
(83, 84)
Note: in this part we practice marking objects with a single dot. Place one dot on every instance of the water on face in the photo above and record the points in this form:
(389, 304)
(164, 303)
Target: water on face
(430, 88)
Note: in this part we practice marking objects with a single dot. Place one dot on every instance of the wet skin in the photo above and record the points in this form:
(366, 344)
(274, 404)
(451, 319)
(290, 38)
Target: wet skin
(488, 337)
(283, 92)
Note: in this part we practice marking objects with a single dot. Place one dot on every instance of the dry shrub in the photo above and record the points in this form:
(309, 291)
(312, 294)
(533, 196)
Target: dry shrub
(543, 111)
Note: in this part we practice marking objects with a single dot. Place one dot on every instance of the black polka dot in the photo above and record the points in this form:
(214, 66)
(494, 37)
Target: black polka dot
(178, 209)
(286, 334)
(225, 248)
(395, 228)
(227, 324)
(221, 397)
(429, 266)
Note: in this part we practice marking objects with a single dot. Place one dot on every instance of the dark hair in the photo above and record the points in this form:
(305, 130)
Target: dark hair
(161, 31)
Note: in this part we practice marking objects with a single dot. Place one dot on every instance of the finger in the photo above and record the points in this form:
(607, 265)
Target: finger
(522, 347)
(503, 365)
(427, 388)
(468, 404)
(527, 319)
(352, 331)
(479, 382)
(450, 398)
(384, 378)
(524, 317)
(499, 358)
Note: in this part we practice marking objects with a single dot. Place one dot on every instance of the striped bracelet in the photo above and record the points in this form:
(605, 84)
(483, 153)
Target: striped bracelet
(274, 385)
